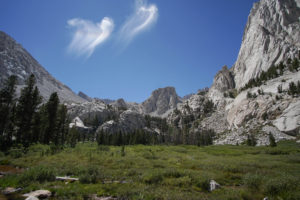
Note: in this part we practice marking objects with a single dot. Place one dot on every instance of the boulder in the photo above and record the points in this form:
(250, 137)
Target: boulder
(39, 194)
(31, 198)
(10, 190)
(289, 120)
(213, 185)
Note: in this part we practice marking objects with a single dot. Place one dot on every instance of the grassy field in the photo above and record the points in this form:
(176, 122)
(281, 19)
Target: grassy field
(160, 172)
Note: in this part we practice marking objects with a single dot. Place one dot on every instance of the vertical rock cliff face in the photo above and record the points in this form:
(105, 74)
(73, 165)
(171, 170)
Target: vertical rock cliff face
(271, 35)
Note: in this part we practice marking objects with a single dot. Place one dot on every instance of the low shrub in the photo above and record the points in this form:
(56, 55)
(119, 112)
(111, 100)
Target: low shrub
(40, 174)
(276, 152)
(253, 181)
(153, 178)
(91, 175)
(204, 184)
(180, 182)
(16, 152)
(280, 185)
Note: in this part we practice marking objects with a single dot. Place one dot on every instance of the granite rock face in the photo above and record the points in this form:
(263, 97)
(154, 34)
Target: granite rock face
(271, 36)
(160, 101)
(223, 82)
(128, 122)
(15, 60)
(289, 120)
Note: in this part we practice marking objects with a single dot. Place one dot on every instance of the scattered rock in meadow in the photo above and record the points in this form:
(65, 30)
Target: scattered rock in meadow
(10, 190)
(95, 197)
(39, 194)
(66, 178)
(31, 198)
(213, 185)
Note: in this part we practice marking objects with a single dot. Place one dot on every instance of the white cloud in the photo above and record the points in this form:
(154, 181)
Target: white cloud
(89, 35)
(143, 17)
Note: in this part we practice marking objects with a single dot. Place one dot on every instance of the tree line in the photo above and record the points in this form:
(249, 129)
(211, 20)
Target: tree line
(273, 72)
(26, 120)
(174, 136)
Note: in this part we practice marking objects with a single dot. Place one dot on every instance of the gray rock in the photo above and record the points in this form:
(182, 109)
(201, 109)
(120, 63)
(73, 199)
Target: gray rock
(10, 190)
(84, 96)
(213, 185)
(39, 194)
(289, 121)
(120, 103)
(271, 36)
(32, 198)
(128, 121)
(161, 100)
(15, 60)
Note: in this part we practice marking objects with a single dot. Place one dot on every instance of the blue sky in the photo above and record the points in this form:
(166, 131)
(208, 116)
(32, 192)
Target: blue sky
(128, 48)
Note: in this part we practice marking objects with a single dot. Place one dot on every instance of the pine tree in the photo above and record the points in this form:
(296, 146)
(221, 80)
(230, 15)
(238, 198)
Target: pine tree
(51, 132)
(7, 100)
(62, 124)
(26, 108)
(272, 140)
(73, 137)
(292, 89)
(7, 112)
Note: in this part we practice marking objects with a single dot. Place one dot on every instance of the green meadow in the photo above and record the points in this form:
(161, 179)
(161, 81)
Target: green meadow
(158, 172)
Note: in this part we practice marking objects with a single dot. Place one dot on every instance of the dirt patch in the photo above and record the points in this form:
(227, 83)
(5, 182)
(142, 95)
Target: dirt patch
(8, 169)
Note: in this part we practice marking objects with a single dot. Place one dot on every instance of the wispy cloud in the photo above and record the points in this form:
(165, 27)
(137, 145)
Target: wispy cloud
(143, 17)
(89, 35)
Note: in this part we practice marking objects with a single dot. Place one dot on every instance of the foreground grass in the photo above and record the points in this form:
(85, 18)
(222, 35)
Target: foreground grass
(161, 172)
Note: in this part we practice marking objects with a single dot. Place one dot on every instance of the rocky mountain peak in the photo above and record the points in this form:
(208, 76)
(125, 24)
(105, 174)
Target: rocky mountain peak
(271, 36)
(161, 100)
(223, 80)
(15, 60)
(120, 103)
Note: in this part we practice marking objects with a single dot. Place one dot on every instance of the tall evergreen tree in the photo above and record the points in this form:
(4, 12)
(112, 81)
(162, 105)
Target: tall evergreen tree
(51, 132)
(7, 101)
(26, 108)
(62, 124)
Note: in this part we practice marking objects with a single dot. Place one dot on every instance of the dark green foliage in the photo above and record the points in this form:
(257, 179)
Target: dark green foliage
(123, 153)
(279, 89)
(62, 125)
(51, 108)
(272, 72)
(204, 184)
(253, 181)
(260, 92)
(251, 96)
(272, 140)
(278, 185)
(295, 65)
(119, 138)
(208, 107)
(91, 175)
(73, 136)
(251, 140)
(205, 137)
(40, 174)
(26, 109)
(293, 90)
(265, 116)
(7, 112)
